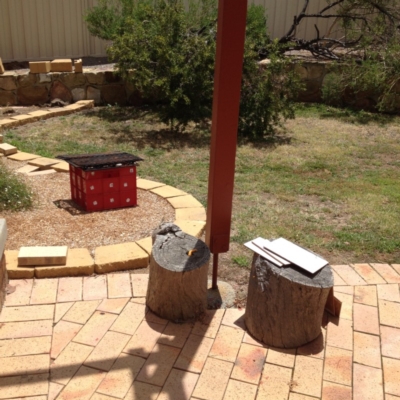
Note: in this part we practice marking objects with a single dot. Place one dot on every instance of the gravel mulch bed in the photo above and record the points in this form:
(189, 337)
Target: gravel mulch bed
(56, 221)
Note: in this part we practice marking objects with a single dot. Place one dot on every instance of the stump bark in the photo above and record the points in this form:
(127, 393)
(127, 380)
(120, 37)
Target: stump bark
(177, 288)
(285, 305)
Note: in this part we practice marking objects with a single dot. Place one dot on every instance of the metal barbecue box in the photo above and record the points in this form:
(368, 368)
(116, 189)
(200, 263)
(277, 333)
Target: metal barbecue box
(103, 181)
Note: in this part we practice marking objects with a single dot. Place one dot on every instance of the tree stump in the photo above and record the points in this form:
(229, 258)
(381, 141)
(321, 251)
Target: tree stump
(285, 305)
(177, 288)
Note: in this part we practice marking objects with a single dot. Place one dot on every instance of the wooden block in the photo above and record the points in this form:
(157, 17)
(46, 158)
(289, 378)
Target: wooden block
(39, 67)
(1, 67)
(7, 149)
(78, 66)
(21, 156)
(43, 255)
(61, 65)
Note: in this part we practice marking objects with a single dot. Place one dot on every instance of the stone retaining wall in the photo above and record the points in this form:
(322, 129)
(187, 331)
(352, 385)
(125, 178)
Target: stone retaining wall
(104, 87)
(3, 271)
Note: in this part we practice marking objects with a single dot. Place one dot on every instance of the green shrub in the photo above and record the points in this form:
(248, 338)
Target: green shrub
(14, 193)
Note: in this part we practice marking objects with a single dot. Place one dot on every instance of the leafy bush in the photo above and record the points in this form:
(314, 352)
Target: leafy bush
(168, 53)
(14, 194)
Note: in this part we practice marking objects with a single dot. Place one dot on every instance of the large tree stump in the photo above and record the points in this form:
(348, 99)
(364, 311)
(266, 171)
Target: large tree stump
(285, 305)
(177, 288)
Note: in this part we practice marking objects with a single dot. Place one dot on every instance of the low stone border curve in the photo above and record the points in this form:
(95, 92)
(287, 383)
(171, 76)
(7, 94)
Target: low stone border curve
(190, 216)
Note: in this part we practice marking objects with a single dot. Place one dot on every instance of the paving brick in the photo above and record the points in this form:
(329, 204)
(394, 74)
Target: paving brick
(175, 334)
(61, 65)
(22, 294)
(95, 287)
(13, 270)
(39, 67)
(83, 384)
(367, 383)
(24, 365)
(158, 366)
(24, 385)
(187, 201)
(144, 339)
(145, 244)
(333, 391)
(139, 284)
(79, 262)
(95, 328)
(345, 289)
(145, 184)
(368, 274)
(227, 343)
(119, 285)
(308, 376)
(25, 346)
(7, 149)
(250, 340)
(210, 323)
(240, 390)
(151, 317)
(41, 172)
(44, 291)
(143, 391)
(24, 119)
(338, 281)
(119, 379)
(282, 357)
(315, 348)
(366, 295)
(366, 319)
(168, 191)
(347, 305)
(367, 350)
(275, 380)
(249, 363)
(390, 340)
(61, 167)
(194, 228)
(26, 329)
(54, 390)
(26, 169)
(129, 319)
(191, 214)
(234, 317)
(396, 267)
(68, 362)
(389, 313)
(114, 306)
(179, 385)
(194, 354)
(7, 124)
(78, 66)
(338, 365)
(390, 397)
(298, 396)
(43, 162)
(107, 351)
(61, 310)
(139, 300)
(27, 313)
(213, 380)
(22, 156)
(391, 369)
(40, 114)
(387, 273)
(349, 275)
(69, 289)
(63, 333)
(120, 257)
(81, 311)
(389, 292)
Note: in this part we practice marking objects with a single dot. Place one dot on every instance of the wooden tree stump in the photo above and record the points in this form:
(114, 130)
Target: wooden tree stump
(285, 305)
(177, 288)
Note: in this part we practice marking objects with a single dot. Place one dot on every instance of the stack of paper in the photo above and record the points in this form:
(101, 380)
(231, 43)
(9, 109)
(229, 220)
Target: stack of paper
(282, 252)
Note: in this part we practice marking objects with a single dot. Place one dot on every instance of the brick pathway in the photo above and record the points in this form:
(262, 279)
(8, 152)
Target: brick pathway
(92, 338)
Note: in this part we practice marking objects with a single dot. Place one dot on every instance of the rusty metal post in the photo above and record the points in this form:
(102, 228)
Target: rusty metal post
(225, 117)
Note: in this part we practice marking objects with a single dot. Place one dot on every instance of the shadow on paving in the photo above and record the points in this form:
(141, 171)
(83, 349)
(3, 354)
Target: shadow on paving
(138, 374)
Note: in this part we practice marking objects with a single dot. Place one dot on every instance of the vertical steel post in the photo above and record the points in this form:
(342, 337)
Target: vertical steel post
(225, 117)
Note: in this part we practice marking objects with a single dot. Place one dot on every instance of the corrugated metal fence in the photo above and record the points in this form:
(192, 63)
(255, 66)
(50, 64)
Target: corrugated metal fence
(48, 29)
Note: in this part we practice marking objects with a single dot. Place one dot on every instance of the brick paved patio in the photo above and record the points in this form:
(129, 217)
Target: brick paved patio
(92, 338)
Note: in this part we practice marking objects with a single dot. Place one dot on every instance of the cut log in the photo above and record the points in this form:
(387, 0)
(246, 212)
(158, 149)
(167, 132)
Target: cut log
(285, 305)
(177, 288)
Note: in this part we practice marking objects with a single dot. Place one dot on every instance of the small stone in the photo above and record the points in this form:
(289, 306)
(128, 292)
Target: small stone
(94, 94)
(7, 149)
(31, 95)
(61, 65)
(78, 94)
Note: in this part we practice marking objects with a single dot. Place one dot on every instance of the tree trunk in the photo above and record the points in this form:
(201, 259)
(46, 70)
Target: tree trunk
(285, 305)
(3, 280)
(177, 288)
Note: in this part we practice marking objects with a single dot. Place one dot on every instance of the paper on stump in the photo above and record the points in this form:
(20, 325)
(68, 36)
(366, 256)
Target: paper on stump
(296, 255)
(260, 242)
(250, 245)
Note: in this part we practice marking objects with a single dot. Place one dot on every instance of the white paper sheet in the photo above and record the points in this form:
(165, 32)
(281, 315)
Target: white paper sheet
(250, 245)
